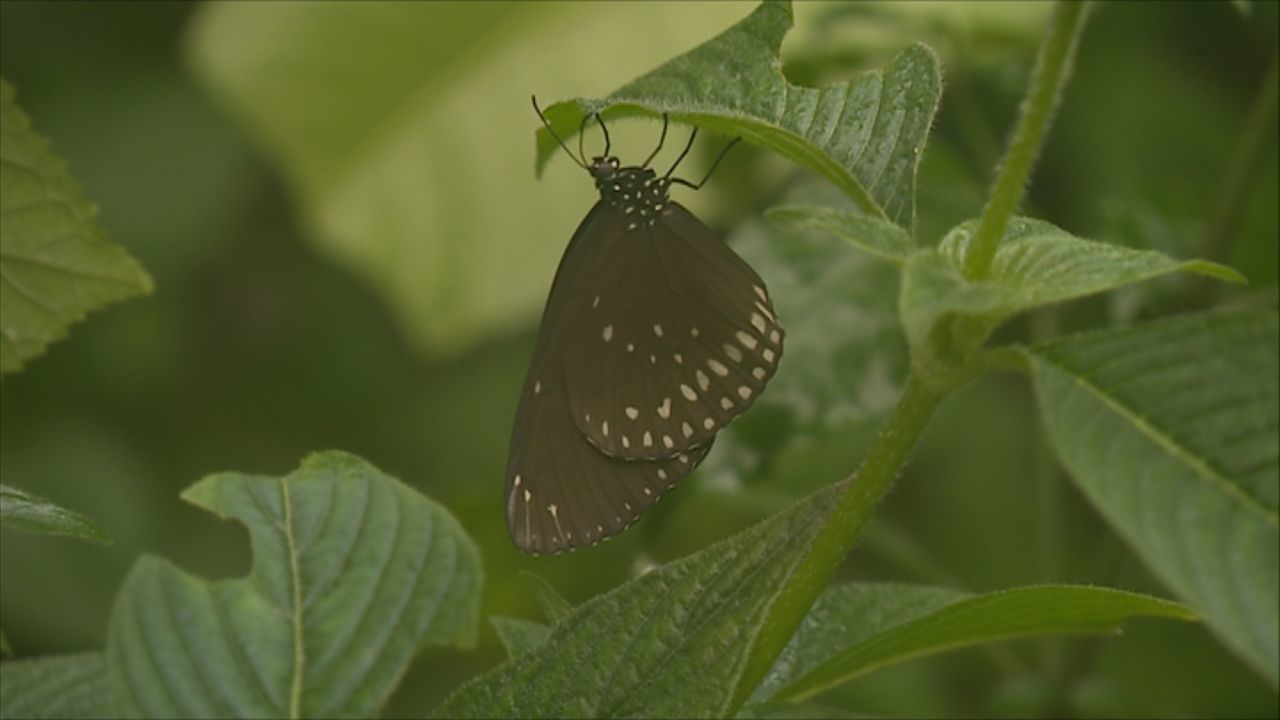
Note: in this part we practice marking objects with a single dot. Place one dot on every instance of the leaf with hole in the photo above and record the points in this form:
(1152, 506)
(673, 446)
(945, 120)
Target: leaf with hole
(353, 573)
(1170, 428)
(55, 264)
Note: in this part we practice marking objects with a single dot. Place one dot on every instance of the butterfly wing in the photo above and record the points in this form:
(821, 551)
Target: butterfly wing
(673, 337)
(561, 492)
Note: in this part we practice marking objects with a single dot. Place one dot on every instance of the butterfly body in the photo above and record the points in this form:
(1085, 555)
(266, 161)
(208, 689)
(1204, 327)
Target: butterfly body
(654, 336)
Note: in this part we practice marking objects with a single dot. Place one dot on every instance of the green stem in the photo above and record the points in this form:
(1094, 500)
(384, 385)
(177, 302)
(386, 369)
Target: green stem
(1053, 65)
(1259, 126)
(871, 483)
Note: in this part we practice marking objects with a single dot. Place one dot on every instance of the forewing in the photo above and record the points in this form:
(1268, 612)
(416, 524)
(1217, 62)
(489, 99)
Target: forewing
(673, 337)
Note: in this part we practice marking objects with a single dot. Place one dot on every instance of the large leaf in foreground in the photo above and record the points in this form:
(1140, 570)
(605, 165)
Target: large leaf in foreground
(857, 628)
(353, 572)
(1170, 428)
(1036, 264)
(866, 135)
(55, 264)
(409, 168)
(24, 511)
(60, 686)
(668, 644)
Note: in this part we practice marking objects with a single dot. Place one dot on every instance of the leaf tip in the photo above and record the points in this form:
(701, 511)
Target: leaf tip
(1216, 270)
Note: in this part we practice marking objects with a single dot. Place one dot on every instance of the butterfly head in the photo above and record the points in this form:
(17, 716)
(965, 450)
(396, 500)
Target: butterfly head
(603, 168)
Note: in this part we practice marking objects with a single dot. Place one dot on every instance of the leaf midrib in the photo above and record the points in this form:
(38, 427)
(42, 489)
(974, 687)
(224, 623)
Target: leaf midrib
(299, 649)
(1167, 443)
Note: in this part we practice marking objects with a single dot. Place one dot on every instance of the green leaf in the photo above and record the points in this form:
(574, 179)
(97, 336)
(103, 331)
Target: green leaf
(858, 628)
(1036, 264)
(409, 168)
(869, 234)
(842, 368)
(59, 686)
(55, 264)
(1170, 429)
(24, 511)
(866, 135)
(554, 605)
(795, 711)
(519, 636)
(667, 644)
(353, 573)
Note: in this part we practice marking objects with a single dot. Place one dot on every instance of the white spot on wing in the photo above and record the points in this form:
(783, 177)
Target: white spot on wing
(537, 388)
(704, 382)
(657, 330)
(664, 410)
(726, 403)
(709, 423)
(632, 413)
(686, 429)
(733, 352)
(760, 291)
(758, 373)
(744, 392)
(717, 367)
(767, 355)
(667, 442)
(757, 322)
(775, 337)
(607, 333)
(596, 303)
(626, 442)
(688, 393)
(604, 428)
(747, 341)
(648, 439)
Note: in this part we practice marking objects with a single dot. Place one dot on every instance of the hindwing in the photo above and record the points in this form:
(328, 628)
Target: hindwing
(671, 337)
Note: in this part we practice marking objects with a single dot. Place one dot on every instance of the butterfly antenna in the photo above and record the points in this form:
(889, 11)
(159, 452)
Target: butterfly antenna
(607, 143)
(705, 178)
(547, 125)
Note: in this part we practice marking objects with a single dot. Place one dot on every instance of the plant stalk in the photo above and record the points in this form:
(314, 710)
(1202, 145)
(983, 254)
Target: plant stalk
(1258, 128)
(869, 486)
(1053, 66)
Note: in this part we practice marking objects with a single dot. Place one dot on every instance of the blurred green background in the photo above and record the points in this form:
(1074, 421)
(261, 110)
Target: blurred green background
(350, 249)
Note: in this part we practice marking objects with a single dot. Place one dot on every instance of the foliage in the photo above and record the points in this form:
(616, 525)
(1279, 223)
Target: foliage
(55, 265)
(1131, 369)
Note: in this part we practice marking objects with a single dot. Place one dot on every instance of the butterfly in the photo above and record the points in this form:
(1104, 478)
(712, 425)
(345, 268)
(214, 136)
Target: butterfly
(655, 335)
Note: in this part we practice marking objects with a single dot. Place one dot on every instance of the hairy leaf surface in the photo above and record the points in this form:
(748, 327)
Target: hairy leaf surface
(1170, 428)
